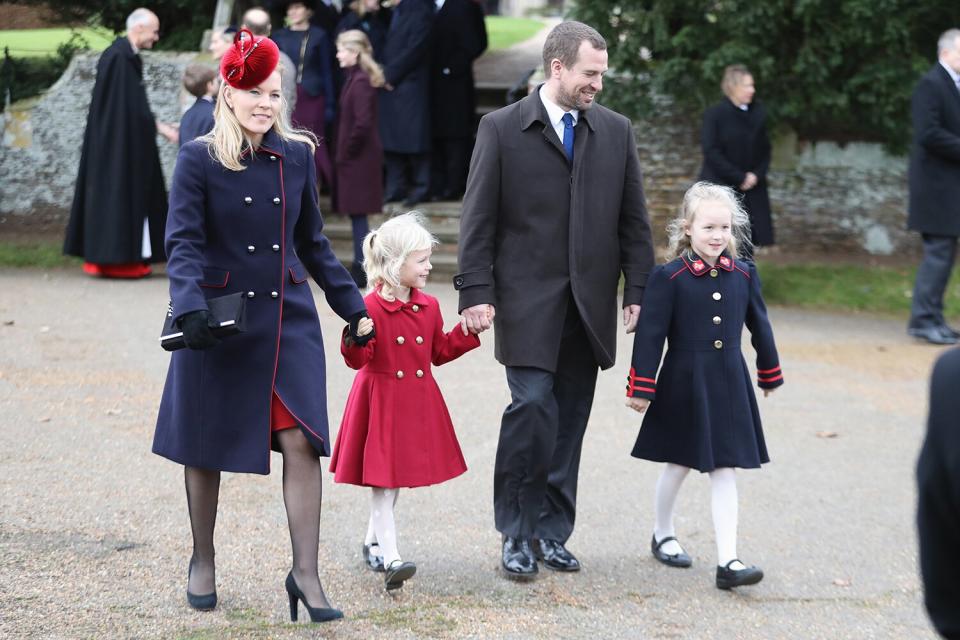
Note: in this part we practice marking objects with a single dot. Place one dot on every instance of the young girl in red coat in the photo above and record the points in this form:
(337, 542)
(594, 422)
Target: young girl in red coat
(702, 409)
(396, 431)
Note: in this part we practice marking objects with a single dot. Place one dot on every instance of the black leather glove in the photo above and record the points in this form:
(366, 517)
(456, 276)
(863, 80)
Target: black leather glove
(354, 325)
(196, 330)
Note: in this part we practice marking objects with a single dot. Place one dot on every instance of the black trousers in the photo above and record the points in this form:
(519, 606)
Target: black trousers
(538, 456)
(407, 176)
(449, 163)
(939, 254)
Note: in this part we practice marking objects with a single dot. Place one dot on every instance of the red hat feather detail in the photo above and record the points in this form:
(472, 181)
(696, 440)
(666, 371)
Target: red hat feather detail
(249, 61)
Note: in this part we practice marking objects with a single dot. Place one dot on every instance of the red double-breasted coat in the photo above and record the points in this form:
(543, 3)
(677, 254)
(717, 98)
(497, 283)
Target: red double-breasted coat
(396, 431)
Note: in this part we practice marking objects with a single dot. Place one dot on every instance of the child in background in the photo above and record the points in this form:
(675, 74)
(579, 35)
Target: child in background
(702, 409)
(396, 431)
(200, 81)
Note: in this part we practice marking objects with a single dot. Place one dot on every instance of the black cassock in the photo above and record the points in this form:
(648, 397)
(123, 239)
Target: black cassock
(120, 182)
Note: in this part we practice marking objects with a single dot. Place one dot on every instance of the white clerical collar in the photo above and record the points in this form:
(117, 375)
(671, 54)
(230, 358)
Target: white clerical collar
(953, 74)
(439, 4)
(555, 112)
(743, 107)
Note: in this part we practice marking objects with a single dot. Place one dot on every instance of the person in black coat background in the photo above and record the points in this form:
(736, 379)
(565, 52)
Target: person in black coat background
(405, 102)
(935, 188)
(938, 509)
(736, 149)
(367, 16)
(459, 37)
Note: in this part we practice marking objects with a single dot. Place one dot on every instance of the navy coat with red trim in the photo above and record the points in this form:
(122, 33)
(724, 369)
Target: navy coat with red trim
(256, 231)
(703, 413)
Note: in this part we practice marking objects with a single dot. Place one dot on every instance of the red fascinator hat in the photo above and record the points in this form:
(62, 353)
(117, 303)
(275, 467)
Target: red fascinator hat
(249, 61)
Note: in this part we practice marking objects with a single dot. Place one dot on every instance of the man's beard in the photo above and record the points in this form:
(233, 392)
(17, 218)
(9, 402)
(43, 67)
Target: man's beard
(571, 100)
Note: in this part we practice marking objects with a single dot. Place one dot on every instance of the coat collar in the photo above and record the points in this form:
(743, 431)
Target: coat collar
(417, 297)
(271, 143)
(532, 110)
(698, 266)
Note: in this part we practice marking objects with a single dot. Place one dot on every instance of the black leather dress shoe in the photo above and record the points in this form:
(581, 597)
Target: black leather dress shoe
(728, 578)
(680, 560)
(934, 335)
(518, 560)
(951, 331)
(555, 556)
(397, 574)
(373, 561)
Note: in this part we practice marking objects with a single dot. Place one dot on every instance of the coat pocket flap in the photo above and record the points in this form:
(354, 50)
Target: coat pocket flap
(298, 273)
(213, 277)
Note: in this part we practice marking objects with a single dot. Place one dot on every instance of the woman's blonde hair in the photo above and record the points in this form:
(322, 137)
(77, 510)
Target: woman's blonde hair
(679, 241)
(227, 141)
(357, 41)
(386, 249)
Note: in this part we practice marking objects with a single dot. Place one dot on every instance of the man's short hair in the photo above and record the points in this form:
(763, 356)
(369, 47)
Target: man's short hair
(563, 43)
(196, 78)
(947, 40)
(733, 75)
(257, 27)
(139, 15)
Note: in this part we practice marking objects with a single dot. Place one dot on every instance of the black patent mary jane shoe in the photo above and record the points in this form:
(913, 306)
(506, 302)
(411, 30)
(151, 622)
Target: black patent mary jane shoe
(518, 560)
(398, 573)
(206, 602)
(728, 578)
(372, 560)
(679, 560)
(317, 614)
(555, 556)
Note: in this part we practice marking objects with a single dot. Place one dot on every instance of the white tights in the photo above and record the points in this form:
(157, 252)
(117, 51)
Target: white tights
(381, 529)
(723, 504)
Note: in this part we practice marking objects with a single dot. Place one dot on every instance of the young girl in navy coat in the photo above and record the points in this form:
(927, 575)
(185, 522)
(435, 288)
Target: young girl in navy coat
(396, 431)
(701, 412)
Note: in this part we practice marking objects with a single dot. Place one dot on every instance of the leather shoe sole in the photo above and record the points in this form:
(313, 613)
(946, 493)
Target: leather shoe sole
(396, 575)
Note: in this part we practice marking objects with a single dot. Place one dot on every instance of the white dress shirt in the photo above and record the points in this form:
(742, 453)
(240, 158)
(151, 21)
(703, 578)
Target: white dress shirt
(555, 114)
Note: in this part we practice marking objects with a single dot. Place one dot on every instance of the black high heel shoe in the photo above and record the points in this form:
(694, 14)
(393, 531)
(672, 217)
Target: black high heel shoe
(205, 602)
(317, 614)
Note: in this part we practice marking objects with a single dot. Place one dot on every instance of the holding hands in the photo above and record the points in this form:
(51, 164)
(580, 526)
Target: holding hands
(360, 331)
(477, 319)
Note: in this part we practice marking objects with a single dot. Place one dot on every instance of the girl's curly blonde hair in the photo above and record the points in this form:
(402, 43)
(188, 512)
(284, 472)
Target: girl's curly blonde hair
(386, 249)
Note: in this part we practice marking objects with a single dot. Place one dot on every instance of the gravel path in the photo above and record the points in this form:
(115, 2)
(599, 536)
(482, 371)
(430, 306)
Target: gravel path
(94, 534)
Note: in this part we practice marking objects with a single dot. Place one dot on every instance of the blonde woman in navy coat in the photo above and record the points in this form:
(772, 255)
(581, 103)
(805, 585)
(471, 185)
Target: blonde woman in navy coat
(244, 217)
(702, 410)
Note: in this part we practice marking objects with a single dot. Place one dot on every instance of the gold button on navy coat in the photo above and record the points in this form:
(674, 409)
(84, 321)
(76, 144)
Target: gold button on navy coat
(703, 412)
(215, 411)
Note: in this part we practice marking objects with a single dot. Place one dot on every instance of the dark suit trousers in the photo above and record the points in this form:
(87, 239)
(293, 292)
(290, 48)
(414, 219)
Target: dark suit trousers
(939, 254)
(398, 183)
(538, 456)
(450, 160)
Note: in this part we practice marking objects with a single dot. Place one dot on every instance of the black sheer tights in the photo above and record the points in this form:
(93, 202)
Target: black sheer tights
(203, 491)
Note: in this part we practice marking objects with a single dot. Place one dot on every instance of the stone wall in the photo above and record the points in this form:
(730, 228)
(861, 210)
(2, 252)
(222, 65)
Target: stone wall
(40, 151)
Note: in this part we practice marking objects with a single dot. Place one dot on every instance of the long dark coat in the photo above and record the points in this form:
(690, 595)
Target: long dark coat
(735, 142)
(316, 77)
(120, 181)
(459, 37)
(405, 111)
(257, 231)
(935, 155)
(374, 24)
(196, 121)
(536, 230)
(396, 430)
(703, 413)
(938, 488)
(359, 155)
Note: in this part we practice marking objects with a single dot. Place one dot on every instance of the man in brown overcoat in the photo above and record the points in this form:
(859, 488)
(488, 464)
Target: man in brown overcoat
(553, 213)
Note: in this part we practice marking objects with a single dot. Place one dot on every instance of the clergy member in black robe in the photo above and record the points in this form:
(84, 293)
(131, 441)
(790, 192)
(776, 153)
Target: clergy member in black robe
(120, 202)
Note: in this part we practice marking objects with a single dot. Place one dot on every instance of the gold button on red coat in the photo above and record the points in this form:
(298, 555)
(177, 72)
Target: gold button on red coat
(718, 344)
(419, 340)
(419, 373)
(399, 374)
(400, 340)
(415, 308)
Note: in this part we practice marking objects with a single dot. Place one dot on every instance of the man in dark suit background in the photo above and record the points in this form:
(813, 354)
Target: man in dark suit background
(459, 37)
(553, 213)
(935, 188)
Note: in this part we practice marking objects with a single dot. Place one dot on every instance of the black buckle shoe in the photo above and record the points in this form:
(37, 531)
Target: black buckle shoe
(728, 578)
(517, 559)
(397, 574)
(373, 561)
(555, 556)
(680, 560)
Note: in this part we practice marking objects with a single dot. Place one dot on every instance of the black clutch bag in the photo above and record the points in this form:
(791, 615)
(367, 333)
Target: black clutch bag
(229, 312)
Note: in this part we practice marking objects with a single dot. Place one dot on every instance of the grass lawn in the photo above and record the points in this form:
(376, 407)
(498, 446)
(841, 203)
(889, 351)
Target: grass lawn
(41, 42)
(505, 32)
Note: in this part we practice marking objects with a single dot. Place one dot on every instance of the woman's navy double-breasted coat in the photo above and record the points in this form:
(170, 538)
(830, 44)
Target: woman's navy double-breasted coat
(703, 412)
(256, 231)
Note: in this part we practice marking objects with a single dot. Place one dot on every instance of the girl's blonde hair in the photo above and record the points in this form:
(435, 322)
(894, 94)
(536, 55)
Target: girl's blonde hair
(386, 249)
(679, 241)
(357, 41)
(227, 141)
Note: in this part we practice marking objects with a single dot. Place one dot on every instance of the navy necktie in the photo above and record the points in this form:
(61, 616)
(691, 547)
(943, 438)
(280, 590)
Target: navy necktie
(568, 135)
